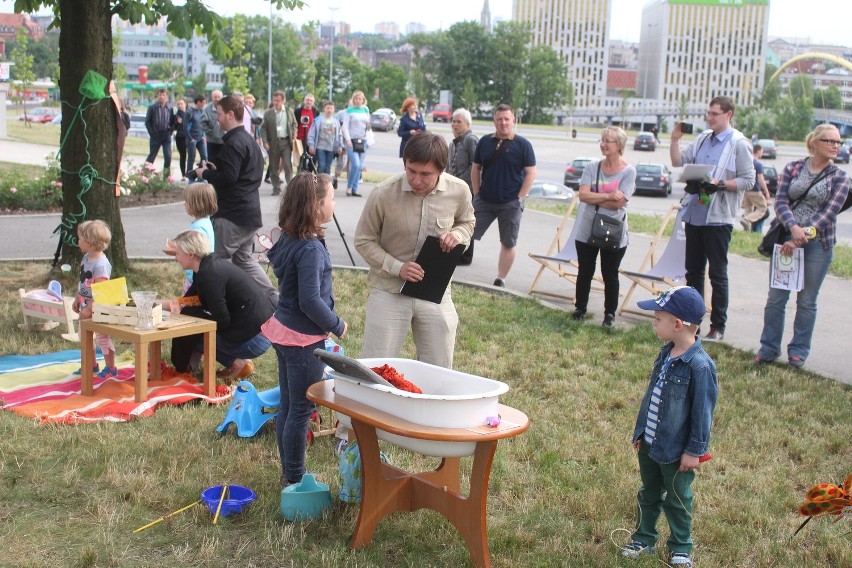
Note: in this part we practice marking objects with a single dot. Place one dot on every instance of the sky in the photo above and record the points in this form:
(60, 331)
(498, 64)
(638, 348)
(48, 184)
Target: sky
(821, 22)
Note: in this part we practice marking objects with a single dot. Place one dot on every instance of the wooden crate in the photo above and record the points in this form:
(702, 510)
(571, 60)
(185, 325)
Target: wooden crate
(122, 315)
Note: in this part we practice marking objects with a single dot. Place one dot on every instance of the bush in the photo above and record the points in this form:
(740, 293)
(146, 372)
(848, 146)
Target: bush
(42, 193)
(145, 179)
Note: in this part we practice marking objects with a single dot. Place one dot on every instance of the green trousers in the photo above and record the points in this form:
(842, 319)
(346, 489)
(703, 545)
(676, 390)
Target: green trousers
(664, 489)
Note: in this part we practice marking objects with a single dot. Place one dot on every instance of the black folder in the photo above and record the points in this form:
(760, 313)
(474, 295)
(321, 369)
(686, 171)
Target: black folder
(438, 267)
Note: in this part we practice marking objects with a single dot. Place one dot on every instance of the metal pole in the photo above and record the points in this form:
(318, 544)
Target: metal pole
(331, 59)
(269, 68)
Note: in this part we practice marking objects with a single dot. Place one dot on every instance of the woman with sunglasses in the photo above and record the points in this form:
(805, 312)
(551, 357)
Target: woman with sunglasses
(810, 195)
(605, 187)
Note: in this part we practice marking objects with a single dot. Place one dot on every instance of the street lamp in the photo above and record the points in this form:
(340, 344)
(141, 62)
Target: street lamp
(331, 58)
(645, 79)
(269, 68)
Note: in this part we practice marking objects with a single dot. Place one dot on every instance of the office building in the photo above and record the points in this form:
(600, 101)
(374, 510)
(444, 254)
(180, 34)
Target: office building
(578, 30)
(693, 50)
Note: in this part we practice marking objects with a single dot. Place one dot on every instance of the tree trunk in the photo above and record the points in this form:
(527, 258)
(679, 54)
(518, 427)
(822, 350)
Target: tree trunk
(89, 155)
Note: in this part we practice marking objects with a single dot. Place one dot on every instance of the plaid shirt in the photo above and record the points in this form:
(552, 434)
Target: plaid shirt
(825, 220)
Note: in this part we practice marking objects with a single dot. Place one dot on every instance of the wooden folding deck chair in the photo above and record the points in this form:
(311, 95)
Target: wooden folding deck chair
(564, 263)
(659, 274)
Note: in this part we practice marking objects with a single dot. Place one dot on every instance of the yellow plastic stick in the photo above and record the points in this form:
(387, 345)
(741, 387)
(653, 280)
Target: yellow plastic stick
(164, 517)
(219, 507)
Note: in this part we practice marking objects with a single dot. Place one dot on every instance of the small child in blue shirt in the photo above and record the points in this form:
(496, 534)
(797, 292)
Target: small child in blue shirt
(672, 431)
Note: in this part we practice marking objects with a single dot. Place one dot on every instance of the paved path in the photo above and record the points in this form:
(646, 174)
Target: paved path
(147, 229)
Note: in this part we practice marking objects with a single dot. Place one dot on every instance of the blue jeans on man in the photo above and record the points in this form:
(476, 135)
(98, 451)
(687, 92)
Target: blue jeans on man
(163, 139)
(817, 262)
(191, 146)
(298, 369)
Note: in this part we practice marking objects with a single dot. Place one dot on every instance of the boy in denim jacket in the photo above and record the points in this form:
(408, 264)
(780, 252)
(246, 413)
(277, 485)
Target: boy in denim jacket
(672, 430)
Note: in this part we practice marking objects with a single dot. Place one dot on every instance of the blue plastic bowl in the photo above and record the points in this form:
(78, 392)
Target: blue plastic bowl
(237, 498)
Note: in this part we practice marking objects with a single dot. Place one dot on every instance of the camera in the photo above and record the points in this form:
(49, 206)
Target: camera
(256, 120)
(305, 119)
(686, 128)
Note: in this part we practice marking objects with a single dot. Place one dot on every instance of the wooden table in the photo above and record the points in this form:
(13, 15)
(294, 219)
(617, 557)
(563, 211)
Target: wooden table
(178, 326)
(387, 489)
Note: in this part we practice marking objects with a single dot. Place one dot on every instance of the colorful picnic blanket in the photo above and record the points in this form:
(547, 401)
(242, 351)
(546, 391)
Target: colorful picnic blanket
(44, 387)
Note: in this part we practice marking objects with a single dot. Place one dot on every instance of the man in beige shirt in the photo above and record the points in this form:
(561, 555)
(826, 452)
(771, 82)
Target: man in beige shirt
(278, 132)
(398, 216)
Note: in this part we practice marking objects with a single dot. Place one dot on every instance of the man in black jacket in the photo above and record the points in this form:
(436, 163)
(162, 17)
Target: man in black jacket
(236, 174)
(160, 123)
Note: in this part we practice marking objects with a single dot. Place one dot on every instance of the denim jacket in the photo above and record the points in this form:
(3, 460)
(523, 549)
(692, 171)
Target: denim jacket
(686, 405)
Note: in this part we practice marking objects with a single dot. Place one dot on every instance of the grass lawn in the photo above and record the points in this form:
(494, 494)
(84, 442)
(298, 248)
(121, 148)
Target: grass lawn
(27, 170)
(48, 135)
(72, 495)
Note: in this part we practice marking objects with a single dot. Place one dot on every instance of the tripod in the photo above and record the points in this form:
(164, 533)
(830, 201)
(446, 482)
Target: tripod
(343, 238)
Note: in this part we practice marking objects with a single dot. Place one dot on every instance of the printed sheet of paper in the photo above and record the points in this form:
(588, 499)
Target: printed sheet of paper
(787, 271)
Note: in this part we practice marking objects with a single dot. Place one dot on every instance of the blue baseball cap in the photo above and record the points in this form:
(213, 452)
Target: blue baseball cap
(683, 302)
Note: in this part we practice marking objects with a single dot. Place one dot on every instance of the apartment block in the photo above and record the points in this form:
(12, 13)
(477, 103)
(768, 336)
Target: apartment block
(579, 32)
(693, 50)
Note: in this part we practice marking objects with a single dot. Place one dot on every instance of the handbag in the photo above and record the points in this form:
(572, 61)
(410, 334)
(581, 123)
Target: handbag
(778, 233)
(358, 145)
(606, 230)
(370, 138)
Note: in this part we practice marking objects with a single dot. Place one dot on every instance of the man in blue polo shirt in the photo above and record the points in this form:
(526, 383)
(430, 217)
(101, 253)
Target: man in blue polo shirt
(502, 174)
(711, 209)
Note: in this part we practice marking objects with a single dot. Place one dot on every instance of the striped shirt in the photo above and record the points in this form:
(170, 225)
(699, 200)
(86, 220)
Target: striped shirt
(825, 219)
(654, 404)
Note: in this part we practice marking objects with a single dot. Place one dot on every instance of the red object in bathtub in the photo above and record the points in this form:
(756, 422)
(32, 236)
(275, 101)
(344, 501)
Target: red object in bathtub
(392, 376)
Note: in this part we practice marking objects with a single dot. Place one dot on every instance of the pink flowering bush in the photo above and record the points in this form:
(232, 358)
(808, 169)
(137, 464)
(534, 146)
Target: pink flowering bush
(137, 180)
(21, 193)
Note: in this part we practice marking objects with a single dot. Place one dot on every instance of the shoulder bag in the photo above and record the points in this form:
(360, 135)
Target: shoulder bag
(778, 233)
(606, 230)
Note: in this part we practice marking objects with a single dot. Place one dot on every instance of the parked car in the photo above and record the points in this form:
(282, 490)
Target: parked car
(442, 113)
(645, 141)
(842, 155)
(653, 178)
(137, 125)
(769, 150)
(552, 190)
(383, 119)
(41, 115)
(574, 172)
(771, 177)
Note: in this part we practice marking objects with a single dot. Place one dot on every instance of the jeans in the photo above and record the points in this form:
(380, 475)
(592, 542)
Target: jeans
(191, 146)
(163, 139)
(587, 256)
(356, 162)
(817, 263)
(180, 142)
(664, 488)
(298, 369)
(324, 159)
(226, 352)
(708, 245)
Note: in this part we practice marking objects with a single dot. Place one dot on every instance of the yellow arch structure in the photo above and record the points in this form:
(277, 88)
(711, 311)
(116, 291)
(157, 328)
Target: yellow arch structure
(814, 55)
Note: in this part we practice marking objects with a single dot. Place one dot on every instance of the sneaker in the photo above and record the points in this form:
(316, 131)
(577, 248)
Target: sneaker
(609, 320)
(635, 549)
(746, 225)
(796, 361)
(715, 334)
(95, 370)
(499, 282)
(578, 315)
(108, 372)
(681, 559)
(334, 183)
(276, 192)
